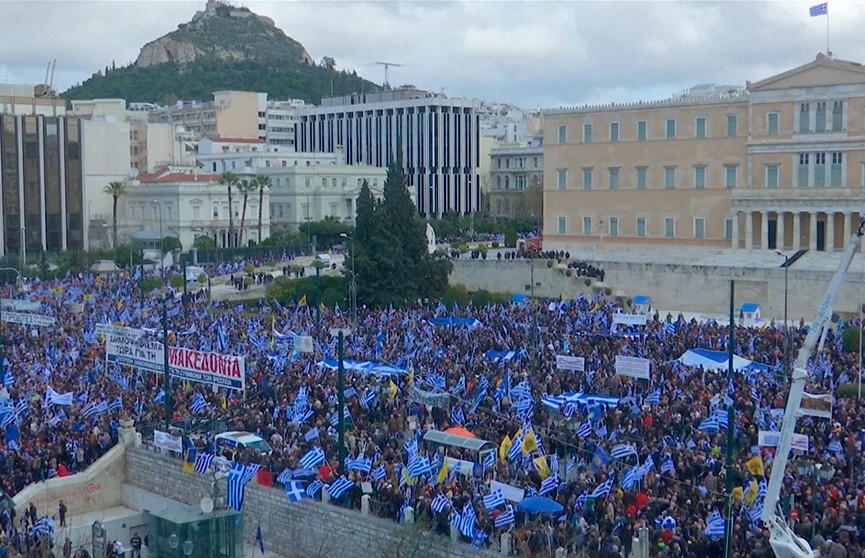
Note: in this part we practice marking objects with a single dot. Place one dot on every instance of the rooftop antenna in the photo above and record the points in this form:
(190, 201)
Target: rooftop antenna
(387, 66)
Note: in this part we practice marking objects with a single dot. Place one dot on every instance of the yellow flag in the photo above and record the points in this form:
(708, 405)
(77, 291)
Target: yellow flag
(273, 322)
(504, 448)
(541, 466)
(321, 307)
(755, 466)
(737, 494)
(530, 443)
(408, 480)
(392, 390)
(303, 300)
(189, 461)
(443, 472)
(224, 402)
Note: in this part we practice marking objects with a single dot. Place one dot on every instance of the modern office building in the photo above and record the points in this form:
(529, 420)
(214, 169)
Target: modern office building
(778, 164)
(436, 138)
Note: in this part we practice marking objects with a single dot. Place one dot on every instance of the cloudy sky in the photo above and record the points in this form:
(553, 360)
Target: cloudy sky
(530, 53)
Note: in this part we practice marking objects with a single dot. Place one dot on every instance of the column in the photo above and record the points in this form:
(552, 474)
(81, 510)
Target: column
(812, 232)
(735, 231)
(830, 231)
(749, 230)
(764, 230)
(779, 231)
(797, 230)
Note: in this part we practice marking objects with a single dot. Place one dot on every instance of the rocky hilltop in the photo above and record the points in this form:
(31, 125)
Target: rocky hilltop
(222, 47)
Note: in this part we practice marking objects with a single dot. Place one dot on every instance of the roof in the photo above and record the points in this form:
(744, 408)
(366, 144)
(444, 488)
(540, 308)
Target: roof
(750, 307)
(642, 299)
(845, 72)
(234, 140)
(473, 444)
(163, 176)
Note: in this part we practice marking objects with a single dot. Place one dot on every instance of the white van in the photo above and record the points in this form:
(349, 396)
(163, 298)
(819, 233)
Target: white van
(324, 258)
(228, 444)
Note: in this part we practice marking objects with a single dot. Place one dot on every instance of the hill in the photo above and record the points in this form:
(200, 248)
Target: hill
(223, 47)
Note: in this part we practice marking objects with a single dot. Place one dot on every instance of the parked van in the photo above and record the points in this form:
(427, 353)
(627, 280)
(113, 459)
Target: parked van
(229, 444)
(324, 258)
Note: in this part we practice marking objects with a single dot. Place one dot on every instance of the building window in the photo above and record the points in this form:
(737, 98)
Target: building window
(614, 131)
(772, 123)
(614, 178)
(641, 226)
(641, 177)
(732, 125)
(587, 133)
(507, 182)
(804, 117)
(728, 229)
(731, 174)
(838, 116)
(700, 177)
(820, 117)
(614, 226)
(587, 225)
(562, 224)
(772, 176)
(563, 133)
(802, 170)
(535, 162)
(669, 177)
(562, 179)
(196, 212)
(700, 127)
(670, 227)
(642, 130)
(699, 228)
(819, 170)
(587, 179)
(670, 129)
(837, 169)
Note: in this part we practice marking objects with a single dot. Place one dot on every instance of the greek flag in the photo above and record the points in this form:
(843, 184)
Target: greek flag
(489, 460)
(621, 451)
(457, 415)
(646, 466)
(311, 434)
(667, 465)
(835, 446)
(710, 424)
(630, 479)
(467, 521)
(819, 9)
(439, 503)
(93, 408)
(368, 397)
(419, 466)
(295, 491)
(603, 489)
(549, 484)
(361, 464)
(494, 500)
(160, 397)
(55, 398)
(505, 518)
(198, 403)
(116, 404)
(313, 458)
(338, 489)
(8, 379)
(44, 526)
(654, 398)
(379, 473)
(55, 420)
(314, 488)
(460, 387)
(410, 448)
(202, 462)
(585, 429)
(714, 525)
(235, 486)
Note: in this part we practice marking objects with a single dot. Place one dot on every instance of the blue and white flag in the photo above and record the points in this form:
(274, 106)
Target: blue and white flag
(819, 9)
(362, 464)
(585, 429)
(654, 398)
(339, 488)
(489, 462)
(439, 503)
(603, 489)
(314, 488)
(116, 404)
(235, 486)
(549, 484)
(714, 525)
(295, 491)
(311, 434)
(419, 466)
(313, 458)
(198, 403)
(667, 465)
(505, 518)
(203, 461)
(494, 500)
(55, 398)
(621, 451)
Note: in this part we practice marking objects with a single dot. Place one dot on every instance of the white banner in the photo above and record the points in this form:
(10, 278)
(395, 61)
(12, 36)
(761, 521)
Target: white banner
(511, 493)
(29, 319)
(634, 367)
(118, 331)
(770, 439)
(817, 405)
(166, 441)
(21, 305)
(227, 371)
(629, 319)
(564, 362)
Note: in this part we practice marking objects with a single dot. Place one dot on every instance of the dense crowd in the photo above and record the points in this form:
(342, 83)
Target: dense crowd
(498, 396)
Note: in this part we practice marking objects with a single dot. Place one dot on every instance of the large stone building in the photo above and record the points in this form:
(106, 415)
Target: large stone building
(517, 180)
(436, 138)
(779, 164)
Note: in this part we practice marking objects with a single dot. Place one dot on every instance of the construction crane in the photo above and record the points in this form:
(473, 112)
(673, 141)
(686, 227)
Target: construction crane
(785, 543)
(387, 66)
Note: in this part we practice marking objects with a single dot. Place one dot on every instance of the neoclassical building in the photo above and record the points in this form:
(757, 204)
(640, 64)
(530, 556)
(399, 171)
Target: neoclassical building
(777, 164)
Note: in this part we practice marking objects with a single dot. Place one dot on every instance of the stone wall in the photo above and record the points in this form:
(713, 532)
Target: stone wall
(308, 529)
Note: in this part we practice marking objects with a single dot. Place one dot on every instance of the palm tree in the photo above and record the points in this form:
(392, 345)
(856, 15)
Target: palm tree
(262, 182)
(115, 189)
(245, 187)
(229, 179)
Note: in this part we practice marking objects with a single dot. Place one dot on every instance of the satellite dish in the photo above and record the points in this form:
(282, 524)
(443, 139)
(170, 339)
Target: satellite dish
(133, 173)
(206, 505)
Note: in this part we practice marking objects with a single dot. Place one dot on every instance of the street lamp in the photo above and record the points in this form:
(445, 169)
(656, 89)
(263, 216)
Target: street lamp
(188, 547)
(340, 335)
(352, 293)
(2, 344)
(157, 203)
(166, 371)
(173, 541)
(786, 266)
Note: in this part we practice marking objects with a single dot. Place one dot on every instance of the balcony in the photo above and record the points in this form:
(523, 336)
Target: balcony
(829, 198)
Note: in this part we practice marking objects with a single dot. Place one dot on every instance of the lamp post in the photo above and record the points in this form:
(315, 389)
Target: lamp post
(352, 293)
(188, 547)
(2, 343)
(173, 542)
(340, 388)
(786, 326)
(157, 203)
(166, 371)
(185, 280)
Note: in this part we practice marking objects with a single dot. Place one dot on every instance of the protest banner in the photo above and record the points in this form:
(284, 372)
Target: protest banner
(166, 441)
(564, 362)
(770, 439)
(816, 405)
(634, 367)
(629, 319)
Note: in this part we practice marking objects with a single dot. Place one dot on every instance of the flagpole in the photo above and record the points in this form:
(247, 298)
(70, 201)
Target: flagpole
(828, 52)
(731, 413)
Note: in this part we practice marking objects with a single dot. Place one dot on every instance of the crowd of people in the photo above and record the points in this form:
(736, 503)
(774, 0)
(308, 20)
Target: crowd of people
(497, 366)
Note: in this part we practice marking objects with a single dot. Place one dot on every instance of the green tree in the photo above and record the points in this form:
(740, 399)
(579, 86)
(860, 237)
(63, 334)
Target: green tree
(204, 242)
(171, 244)
(245, 187)
(229, 180)
(115, 189)
(262, 182)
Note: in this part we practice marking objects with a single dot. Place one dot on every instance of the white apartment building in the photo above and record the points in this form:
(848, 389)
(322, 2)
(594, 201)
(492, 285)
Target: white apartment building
(300, 194)
(436, 138)
(187, 204)
(237, 155)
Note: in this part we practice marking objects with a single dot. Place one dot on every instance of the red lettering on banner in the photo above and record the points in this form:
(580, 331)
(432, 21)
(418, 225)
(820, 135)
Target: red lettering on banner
(213, 363)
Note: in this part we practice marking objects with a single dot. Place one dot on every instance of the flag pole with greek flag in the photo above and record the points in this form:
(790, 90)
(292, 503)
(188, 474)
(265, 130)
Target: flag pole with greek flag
(818, 10)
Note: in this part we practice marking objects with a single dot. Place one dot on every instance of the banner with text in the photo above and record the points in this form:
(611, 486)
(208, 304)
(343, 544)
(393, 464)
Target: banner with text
(227, 371)
(629, 319)
(771, 439)
(817, 405)
(20, 305)
(29, 319)
(634, 367)
(166, 441)
(564, 362)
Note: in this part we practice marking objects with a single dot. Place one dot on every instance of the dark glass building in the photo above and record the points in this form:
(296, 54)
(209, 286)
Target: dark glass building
(41, 184)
